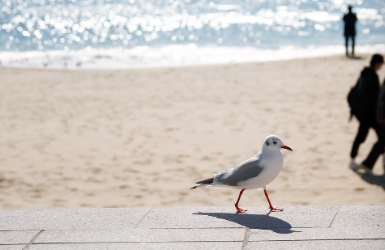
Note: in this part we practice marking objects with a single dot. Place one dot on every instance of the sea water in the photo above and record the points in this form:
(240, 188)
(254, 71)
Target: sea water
(152, 33)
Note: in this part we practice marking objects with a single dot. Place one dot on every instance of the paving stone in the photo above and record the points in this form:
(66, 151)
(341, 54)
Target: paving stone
(362, 216)
(203, 217)
(61, 219)
(142, 246)
(16, 237)
(307, 216)
(11, 247)
(142, 235)
(256, 217)
(297, 227)
(297, 234)
(318, 244)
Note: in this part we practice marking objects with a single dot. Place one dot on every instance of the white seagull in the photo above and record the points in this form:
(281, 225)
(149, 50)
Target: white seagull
(256, 172)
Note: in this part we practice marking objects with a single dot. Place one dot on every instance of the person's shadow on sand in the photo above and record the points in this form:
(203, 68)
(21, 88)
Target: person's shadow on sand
(255, 221)
(378, 180)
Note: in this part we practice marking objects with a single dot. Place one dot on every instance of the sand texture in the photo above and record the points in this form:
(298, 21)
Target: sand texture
(143, 137)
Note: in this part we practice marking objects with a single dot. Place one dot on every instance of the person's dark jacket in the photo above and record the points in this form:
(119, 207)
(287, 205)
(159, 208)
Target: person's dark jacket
(350, 24)
(381, 103)
(368, 89)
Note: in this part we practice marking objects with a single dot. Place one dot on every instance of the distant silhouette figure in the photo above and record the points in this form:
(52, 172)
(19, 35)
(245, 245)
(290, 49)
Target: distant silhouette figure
(350, 20)
(365, 107)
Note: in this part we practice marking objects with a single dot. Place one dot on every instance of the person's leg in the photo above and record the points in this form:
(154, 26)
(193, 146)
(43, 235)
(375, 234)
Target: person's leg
(373, 155)
(360, 138)
(377, 150)
(380, 130)
(346, 45)
(377, 128)
(353, 43)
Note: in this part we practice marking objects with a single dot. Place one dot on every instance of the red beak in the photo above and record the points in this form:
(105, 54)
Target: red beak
(287, 147)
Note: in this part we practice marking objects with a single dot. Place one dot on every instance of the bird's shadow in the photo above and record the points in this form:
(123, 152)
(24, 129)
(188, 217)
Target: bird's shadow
(378, 180)
(255, 221)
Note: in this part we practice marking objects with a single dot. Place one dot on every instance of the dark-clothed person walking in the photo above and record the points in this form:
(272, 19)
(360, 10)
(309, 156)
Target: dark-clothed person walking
(367, 88)
(378, 147)
(350, 20)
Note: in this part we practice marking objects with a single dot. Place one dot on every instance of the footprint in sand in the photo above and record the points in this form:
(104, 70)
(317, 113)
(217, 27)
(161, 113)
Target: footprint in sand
(206, 158)
(143, 162)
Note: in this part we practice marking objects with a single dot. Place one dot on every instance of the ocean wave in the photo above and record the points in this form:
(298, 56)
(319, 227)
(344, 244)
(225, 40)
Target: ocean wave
(166, 56)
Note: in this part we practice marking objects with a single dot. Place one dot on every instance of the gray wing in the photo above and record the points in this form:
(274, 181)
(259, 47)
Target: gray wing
(244, 171)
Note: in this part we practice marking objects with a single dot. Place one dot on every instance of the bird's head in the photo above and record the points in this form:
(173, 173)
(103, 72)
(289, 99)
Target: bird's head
(273, 142)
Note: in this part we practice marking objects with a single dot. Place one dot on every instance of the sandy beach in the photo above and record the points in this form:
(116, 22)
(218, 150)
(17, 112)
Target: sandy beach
(143, 137)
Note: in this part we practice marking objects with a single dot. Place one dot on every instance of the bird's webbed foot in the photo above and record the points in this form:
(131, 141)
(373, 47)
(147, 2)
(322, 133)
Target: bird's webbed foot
(240, 210)
(273, 209)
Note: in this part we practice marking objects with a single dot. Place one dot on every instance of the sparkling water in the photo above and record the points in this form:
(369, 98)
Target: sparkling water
(137, 33)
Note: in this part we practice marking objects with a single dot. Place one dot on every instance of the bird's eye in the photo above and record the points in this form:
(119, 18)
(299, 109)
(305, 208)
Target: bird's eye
(274, 142)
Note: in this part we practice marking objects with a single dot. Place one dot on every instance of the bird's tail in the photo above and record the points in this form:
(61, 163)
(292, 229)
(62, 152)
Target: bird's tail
(204, 183)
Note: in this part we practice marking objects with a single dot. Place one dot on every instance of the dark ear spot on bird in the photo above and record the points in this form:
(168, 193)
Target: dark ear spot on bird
(267, 143)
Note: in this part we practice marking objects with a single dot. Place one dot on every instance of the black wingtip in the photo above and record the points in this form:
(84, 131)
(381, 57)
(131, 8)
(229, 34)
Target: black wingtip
(206, 181)
(194, 187)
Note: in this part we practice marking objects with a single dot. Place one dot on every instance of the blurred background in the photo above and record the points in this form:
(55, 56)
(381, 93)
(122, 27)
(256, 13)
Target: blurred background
(139, 33)
(112, 103)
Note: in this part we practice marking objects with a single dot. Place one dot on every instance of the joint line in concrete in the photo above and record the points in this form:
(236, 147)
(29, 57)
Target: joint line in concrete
(144, 216)
(331, 223)
(32, 240)
(246, 239)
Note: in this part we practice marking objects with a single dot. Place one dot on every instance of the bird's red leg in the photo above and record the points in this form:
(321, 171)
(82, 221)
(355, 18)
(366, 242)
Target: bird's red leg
(240, 210)
(272, 209)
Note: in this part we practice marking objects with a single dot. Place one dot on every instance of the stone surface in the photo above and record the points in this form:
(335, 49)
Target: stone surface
(300, 234)
(360, 216)
(315, 245)
(302, 216)
(143, 246)
(256, 217)
(192, 217)
(143, 235)
(12, 247)
(297, 227)
(84, 218)
(16, 237)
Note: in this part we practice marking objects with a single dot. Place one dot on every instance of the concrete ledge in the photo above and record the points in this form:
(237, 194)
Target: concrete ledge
(297, 227)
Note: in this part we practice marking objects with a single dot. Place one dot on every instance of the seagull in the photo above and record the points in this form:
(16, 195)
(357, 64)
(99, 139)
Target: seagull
(254, 173)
